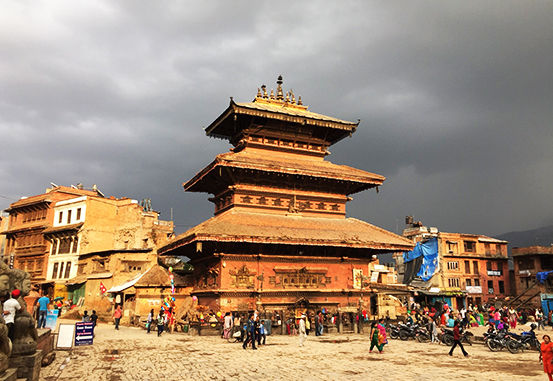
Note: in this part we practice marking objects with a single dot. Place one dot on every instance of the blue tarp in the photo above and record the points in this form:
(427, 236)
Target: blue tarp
(542, 277)
(429, 251)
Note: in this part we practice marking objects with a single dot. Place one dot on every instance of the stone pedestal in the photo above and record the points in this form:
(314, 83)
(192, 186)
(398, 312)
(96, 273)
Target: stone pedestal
(9, 375)
(28, 367)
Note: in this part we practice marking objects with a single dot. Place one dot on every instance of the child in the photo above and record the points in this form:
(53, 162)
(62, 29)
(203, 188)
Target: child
(262, 333)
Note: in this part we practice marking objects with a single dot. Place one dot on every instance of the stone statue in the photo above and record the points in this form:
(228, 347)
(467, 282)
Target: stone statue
(25, 334)
(5, 343)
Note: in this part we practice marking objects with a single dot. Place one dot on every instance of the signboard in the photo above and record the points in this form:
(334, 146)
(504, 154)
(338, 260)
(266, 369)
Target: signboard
(65, 336)
(357, 278)
(494, 273)
(51, 319)
(374, 276)
(84, 333)
(474, 289)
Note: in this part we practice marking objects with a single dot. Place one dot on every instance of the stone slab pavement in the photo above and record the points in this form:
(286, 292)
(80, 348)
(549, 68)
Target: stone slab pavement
(132, 355)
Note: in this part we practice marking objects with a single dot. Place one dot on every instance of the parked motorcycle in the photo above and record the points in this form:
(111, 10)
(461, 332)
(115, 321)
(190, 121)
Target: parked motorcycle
(496, 341)
(525, 341)
(415, 331)
(393, 330)
(447, 337)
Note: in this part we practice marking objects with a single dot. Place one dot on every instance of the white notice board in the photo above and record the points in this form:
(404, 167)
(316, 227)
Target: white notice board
(66, 335)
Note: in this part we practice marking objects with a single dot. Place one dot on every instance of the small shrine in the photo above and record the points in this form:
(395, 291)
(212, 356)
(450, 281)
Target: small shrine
(280, 239)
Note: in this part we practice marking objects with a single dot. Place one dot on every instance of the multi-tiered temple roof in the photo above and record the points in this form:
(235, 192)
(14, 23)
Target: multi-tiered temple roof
(275, 188)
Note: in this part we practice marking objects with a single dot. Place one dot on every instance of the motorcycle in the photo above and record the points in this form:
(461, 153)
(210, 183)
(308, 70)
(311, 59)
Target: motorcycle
(447, 337)
(525, 341)
(415, 331)
(496, 341)
(393, 330)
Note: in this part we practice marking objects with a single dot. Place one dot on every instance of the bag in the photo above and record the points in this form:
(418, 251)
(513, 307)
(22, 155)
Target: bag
(381, 339)
(147, 325)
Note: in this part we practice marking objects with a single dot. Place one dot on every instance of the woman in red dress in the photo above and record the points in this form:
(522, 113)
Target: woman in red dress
(546, 356)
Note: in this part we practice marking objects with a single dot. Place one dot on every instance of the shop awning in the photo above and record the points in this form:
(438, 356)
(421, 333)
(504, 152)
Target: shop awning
(127, 284)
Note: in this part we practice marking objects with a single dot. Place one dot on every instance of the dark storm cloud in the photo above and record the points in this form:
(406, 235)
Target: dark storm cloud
(455, 99)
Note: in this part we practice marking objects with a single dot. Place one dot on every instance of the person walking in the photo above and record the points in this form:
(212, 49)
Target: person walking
(42, 310)
(94, 318)
(262, 333)
(374, 338)
(457, 340)
(160, 323)
(250, 332)
(86, 317)
(302, 330)
(227, 325)
(150, 320)
(11, 306)
(539, 318)
(434, 331)
(546, 356)
(320, 321)
(117, 316)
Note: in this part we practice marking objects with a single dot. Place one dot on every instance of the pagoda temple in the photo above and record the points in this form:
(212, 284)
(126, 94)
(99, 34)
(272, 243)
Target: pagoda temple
(280, 239)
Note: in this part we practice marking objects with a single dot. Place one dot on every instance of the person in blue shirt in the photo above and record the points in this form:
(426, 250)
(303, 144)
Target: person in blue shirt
(262, 333)
(250, 331)
(42, 310)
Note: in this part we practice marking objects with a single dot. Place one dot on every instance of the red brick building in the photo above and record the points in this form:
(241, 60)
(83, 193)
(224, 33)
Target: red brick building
(472, 268)
(280, 238)
(528, 261)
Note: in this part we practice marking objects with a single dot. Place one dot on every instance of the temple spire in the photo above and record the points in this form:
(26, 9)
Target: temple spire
(280, 95)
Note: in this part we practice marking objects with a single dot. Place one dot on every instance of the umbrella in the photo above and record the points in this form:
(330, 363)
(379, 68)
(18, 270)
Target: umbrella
(58, 298)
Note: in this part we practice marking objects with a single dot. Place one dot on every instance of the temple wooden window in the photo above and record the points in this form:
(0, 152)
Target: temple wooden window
(68, 216)
(247, 200)
(78, 214)
(67, 270)
(334, 207)
(65, 244)
(272, 280)
(54, 246)
(277, 202)
(321, 206)
(75, 245)
(498, 249)
(55, 271)
(262, 201)
(272, 141)
(60, 218)
(328, 279)
(470, 246)
(62, 264)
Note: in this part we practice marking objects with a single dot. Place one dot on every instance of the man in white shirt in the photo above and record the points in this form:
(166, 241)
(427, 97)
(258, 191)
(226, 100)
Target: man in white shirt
(11, 306)
(302, 332)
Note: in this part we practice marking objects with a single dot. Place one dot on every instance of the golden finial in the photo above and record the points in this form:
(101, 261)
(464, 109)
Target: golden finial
(264, 91)
(293, 97)
(287, 98)
(258, 93)
(299, 101)
(280, 96)
(272, 94)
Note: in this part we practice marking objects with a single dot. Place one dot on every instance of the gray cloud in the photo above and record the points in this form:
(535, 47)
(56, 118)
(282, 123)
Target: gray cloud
(455, 99)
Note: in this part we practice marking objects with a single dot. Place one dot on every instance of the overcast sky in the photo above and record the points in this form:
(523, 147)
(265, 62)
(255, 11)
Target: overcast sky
(455, 99)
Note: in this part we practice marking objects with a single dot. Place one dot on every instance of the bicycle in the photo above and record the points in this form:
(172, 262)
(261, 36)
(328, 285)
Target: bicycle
(235, 334)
